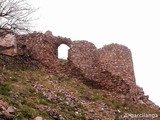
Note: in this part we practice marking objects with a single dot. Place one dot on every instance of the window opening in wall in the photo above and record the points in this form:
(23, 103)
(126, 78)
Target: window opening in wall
(63, 52)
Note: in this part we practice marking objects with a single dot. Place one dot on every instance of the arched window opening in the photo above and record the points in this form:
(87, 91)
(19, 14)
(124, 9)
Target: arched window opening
(63, 52)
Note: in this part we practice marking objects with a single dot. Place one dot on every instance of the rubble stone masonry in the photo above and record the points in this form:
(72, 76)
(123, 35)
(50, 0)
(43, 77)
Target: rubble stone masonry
(110, 67)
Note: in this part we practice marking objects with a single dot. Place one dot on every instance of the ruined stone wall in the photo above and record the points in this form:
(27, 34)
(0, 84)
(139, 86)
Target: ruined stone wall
(41, 48)
(83, 55)
(114, 58)
(117, 59)
(35, 50)
(110, 67)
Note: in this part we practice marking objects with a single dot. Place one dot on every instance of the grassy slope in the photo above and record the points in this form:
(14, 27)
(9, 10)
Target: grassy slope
(70, 99)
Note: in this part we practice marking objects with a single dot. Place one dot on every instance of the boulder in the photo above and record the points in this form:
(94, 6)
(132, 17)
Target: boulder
(8, 45)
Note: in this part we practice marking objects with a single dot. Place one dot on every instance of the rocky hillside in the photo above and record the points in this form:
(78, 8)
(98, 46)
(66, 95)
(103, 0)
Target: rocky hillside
(92, 84)
(28, 94)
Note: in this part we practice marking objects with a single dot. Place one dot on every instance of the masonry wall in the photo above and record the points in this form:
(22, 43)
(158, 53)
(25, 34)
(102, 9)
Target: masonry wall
(40, 50)
(83, 55)
(110, 67)
(117, 59)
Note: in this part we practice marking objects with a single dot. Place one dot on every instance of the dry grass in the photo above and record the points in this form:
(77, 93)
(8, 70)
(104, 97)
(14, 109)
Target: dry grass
(16, 88)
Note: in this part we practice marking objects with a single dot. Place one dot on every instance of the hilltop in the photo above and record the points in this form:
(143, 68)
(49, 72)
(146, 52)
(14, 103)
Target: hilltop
(91, 84)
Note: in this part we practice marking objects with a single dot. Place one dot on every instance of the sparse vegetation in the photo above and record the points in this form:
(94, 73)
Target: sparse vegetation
(72, 99)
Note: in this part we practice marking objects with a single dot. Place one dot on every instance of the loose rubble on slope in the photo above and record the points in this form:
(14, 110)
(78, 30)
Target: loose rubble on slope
(69, 99)
(6, 111)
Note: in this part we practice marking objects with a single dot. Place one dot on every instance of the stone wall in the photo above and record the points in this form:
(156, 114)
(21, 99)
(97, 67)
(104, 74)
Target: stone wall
(41, 49)
(117, 59)
(83, 55)
(36, 50)
(110, 67)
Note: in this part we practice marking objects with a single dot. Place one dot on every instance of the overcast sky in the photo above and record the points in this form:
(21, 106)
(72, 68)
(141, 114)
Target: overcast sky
(134, 23)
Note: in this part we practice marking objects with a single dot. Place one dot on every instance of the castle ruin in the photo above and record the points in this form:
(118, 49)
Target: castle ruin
(110, 67)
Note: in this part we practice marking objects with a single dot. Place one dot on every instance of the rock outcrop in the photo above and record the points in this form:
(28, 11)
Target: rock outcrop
(8, 45)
